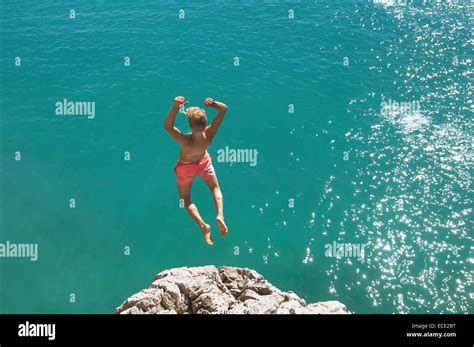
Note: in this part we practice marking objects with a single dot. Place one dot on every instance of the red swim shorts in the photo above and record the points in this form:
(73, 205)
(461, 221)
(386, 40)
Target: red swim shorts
(185, 173)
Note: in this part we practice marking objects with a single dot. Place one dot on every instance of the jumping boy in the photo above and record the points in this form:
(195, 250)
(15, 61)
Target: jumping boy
(194, 160)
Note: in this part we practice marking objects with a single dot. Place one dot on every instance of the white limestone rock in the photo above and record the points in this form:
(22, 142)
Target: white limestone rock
(224, 290)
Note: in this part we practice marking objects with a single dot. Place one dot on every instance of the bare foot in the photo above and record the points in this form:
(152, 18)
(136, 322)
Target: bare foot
(206, 230)
(222, 226)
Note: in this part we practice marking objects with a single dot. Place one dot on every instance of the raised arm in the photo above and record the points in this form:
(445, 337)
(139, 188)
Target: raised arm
(175, 133)
(221, 108)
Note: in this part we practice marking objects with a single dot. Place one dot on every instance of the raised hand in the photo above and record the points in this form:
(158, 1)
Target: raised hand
(179, 101)
(208, 102)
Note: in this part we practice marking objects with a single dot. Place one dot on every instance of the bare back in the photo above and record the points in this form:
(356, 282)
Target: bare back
(194, 147)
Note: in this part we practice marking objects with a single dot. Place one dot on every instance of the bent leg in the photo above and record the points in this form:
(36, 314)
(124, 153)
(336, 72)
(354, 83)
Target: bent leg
(185, 195)
(213, 185)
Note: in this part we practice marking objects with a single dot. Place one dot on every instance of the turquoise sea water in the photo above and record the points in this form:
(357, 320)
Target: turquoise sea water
(338, 169)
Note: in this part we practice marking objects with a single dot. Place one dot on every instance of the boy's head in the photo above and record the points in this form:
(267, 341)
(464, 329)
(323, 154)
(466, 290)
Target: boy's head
(197, 118)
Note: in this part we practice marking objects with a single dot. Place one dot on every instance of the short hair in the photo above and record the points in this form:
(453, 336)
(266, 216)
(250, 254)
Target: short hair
(197, 118)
